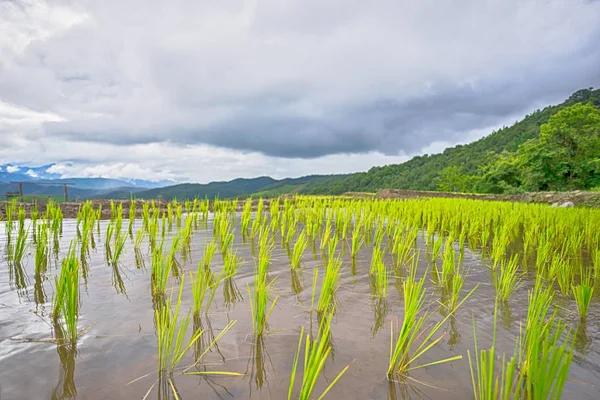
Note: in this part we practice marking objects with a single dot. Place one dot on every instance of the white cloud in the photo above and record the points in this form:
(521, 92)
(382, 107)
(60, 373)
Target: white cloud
(11, 169)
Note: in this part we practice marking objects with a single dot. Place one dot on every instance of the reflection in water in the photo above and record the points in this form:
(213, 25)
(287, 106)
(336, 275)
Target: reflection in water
(85, 268)
(18, 278)
(296, 284)
(117, 279)
(257, 364)
(39, 295)
(67, 350)
(453, 334)
(206, 341)
(506, 315)
(583, 342)
(379, 306)
(139, 259)
(231, 293)
(167, 390)
(401, 389)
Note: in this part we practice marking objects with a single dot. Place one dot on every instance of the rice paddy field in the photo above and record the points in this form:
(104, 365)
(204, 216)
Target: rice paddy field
(301, 298)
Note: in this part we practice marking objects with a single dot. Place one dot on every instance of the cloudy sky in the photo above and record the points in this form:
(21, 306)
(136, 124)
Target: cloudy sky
(196, 90)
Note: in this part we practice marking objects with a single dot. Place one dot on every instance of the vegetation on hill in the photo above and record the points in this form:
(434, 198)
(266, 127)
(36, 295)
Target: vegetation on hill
(471, 167)
(237, 188)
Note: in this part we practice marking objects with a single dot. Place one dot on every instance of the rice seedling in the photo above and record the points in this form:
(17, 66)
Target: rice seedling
(299, 248)
(583, 292)
(161, 270)
(508, 279)
(132, 215)
(17, 253)
(414, 334)
(204, 287)
(356, 241)
(291, 231)
(316, 352)
(171, 331)
(66, 299)
(379, 273)
(326, 235)
(41, 249)
(487, 384)
(329, 286)
(232, 264)
(260, 295)
(246, 216)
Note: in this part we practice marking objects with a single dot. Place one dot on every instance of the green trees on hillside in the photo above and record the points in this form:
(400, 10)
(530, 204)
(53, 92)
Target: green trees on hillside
(565, 156)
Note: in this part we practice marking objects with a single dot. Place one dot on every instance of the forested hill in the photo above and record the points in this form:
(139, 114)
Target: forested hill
(425, 172)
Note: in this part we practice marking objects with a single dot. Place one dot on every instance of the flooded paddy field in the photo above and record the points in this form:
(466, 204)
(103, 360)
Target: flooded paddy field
(390, 289)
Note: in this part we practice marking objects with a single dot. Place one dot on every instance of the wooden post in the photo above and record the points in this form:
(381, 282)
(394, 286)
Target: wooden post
(20, 191)
(66, 193)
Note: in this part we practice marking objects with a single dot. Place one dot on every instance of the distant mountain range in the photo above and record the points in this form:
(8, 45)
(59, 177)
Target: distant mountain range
(24, 173)
(83, 188)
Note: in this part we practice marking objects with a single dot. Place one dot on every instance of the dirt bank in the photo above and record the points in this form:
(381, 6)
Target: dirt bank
(578, 198)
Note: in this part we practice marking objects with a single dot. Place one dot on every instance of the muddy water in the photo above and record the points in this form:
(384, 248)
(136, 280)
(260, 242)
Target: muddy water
(116, 356)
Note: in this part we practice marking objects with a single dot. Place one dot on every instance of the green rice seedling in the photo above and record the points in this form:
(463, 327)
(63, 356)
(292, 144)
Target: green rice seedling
(178, 215)
(449, 267)
(171, 331)
(41, 249)
(17, 253)
(437, 249)
(564, 276)
(204, 288)
(258, 219)
(145, 216)
(66, 301)
(108, 241)
(34, 215)
(583, 292)
(132, 215)
(414, 334)
(455, 286)
(161, 270)
(380, 275)
(379, 235)
(548, 373)
(299, 248)
(226, 242)
(508, 279)
(139, 238)
(329, 286)
(246, 216)
(316, 352)
(176, 245)
(596, 263)
(116, 254)
(21, 217)
(544, 362)
(209, 252)
(487, 384)
(326, 235)
(232, 264)
(260, 295)
(291, 231)
(356, 242)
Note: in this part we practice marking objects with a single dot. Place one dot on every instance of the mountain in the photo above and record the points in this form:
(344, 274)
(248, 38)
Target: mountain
(24, 173)
(424, 172)
(238, 188)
